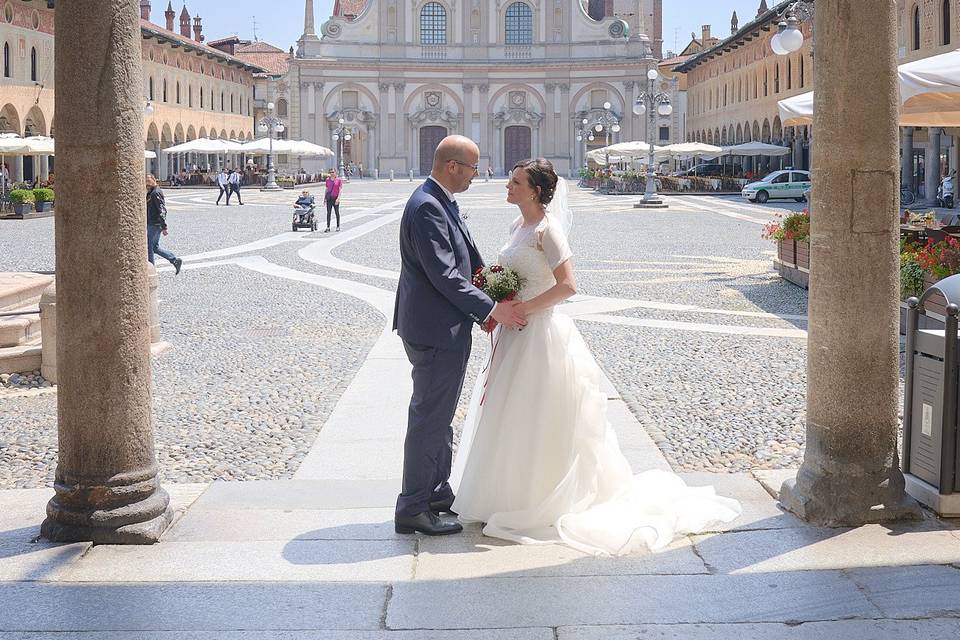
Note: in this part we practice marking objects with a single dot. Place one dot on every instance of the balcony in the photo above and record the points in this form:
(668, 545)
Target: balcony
(518, 51)
(433, 51)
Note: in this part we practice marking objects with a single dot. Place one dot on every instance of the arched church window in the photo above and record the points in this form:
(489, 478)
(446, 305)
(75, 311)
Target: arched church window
(915, 45)
(945, 22)
(6, 60)
(282, 108)
(433, 24)
(519, 24)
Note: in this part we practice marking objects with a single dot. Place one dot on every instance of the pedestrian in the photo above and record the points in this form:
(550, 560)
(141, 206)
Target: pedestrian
(360, 170)
(157, 224)
(223, 182)
(332, 197)
(234, 185)
(489, 172)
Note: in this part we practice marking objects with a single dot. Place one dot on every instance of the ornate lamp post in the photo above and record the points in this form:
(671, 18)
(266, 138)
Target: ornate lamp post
(340, 135)
(651, 102)
(789, 38)
(605, 123)
(268, 125)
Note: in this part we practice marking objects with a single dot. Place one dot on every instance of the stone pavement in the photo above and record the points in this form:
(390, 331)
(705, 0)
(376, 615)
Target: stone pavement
(315, 556)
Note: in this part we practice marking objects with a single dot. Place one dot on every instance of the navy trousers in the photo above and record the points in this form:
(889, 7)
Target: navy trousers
(428, 449)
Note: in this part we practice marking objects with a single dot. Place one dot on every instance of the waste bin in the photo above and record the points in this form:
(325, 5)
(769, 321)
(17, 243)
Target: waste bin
(931, 464)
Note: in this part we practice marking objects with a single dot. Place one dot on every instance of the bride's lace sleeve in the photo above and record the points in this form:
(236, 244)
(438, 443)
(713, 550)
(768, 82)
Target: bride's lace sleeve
(553, 242)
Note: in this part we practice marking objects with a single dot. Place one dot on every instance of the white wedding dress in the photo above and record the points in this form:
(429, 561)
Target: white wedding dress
(538, 462)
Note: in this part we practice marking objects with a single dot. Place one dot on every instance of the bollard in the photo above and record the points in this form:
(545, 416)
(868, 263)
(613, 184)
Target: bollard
(391, 175)
(376, 174)
(411, 175)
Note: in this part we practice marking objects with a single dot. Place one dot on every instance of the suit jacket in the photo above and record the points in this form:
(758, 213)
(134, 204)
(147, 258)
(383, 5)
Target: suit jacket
(437, 303)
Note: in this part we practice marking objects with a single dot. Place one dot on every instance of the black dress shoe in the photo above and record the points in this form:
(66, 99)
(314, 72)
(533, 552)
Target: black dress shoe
(427, 522)
(177, 264)
(443, 506)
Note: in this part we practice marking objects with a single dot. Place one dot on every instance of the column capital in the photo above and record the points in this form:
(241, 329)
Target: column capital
(550, 87)
(565, 87)
(484, 88)
(384, 87)
(399, 86)
(318, 86)
(629, 85)
(468, 87)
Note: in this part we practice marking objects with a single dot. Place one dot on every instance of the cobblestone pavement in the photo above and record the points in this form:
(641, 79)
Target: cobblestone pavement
(703, 341)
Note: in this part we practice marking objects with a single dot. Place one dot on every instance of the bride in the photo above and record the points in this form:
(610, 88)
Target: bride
(538, 462)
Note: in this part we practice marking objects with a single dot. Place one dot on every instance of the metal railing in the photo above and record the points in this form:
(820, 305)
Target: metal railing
(518, 51)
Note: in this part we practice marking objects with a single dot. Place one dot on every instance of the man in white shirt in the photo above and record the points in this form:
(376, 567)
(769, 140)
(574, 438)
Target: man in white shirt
(223, 182)
(234, 185)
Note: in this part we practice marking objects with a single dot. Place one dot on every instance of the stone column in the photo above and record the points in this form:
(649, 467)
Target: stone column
(485, 151)
(931, 165)
(18, 169)
(550, 120)
(107, 489)
(469, 110)
(384, 107)
(906, 157)
(628, 117)
(399, 120)
(318, 115)
(850, 474)
(565, 137)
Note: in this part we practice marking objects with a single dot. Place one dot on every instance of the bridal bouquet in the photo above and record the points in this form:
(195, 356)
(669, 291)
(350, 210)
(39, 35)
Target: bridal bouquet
(498, 282)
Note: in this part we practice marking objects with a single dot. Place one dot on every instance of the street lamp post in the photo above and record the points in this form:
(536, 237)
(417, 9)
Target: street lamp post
(268, 125)
(606, 123)
(789, 38)
(341, 135)
(651, 102)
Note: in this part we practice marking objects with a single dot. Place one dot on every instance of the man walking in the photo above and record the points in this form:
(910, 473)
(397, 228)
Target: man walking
(223, 183)
(234, 185)
(157, 224)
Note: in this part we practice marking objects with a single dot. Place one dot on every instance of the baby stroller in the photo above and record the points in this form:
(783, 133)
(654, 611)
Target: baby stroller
(304, 217)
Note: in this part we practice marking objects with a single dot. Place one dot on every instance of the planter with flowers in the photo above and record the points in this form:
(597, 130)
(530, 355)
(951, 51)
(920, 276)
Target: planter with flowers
(921, 267)
(792, 236)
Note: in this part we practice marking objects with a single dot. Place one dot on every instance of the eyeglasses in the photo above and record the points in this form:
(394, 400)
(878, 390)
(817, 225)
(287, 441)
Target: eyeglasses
(475, 167)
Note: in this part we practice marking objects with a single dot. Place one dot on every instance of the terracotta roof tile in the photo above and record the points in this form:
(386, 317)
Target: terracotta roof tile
(266, 56)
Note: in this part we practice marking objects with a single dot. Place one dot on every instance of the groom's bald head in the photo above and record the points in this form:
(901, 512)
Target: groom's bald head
(454, 162)
(455, 148)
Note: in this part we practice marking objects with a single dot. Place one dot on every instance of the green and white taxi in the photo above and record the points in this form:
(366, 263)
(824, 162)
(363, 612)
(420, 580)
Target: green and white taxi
(788, 183)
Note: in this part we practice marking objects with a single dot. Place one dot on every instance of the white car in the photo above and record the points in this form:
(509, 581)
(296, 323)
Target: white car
(788, 183)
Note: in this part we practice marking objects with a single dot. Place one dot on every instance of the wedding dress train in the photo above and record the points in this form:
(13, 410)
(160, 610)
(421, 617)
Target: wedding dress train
(538, 462)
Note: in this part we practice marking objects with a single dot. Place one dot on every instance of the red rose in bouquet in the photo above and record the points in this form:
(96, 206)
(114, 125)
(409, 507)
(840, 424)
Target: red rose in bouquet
(498, 282)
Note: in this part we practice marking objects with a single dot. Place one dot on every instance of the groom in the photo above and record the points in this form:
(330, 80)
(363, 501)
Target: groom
(436, 308)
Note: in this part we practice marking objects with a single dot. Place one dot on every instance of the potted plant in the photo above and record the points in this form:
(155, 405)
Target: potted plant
(22, 201)
(792, 235)
(44, 199)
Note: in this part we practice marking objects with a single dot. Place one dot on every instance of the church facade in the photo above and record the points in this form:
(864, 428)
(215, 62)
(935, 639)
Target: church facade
(517, 76)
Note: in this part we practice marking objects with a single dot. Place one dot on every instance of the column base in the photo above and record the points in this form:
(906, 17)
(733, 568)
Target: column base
(654, 203)
(136, 513)
(841, 504)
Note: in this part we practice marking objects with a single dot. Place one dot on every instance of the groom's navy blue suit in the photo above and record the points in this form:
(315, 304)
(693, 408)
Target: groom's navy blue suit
(435, 310)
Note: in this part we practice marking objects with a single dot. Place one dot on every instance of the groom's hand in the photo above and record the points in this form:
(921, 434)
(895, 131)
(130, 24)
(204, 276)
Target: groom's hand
(506, 313)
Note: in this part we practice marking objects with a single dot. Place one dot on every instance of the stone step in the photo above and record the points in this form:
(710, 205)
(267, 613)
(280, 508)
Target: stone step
(24, 357)
(19, 329)
(19, 290)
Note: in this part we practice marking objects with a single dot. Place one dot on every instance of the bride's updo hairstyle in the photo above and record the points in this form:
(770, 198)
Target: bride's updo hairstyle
(540, 175)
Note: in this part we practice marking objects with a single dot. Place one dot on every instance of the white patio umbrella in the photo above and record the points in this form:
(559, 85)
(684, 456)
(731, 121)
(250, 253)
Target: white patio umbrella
(929, 95)
(261, 146)
(756, 149)
(797, 111)
(690, 150)
(930, 91)
(306, 149)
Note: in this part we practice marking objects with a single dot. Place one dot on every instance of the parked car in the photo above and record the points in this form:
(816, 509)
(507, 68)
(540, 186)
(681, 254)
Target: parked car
(788, 183)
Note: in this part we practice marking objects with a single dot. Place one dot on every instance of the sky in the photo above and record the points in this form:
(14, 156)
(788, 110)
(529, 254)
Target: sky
(280, 22)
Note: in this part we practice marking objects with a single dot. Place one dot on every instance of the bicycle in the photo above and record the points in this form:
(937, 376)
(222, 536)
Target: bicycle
(907, 197)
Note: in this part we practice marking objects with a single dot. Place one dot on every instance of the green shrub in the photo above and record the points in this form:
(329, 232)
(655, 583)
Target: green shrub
(43, 195)
(21, 196)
